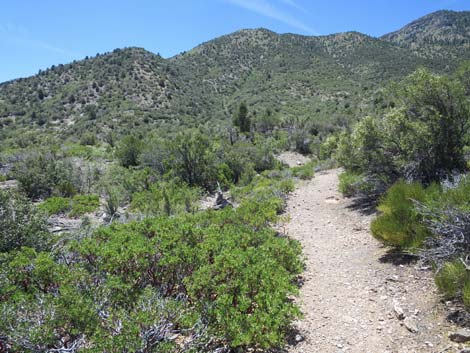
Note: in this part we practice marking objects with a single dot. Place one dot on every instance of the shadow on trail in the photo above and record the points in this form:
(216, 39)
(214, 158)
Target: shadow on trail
(363, 205)
(459, 316)
(398, 258)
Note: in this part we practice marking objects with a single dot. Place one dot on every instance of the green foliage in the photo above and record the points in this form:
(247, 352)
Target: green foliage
(192, 159)
(223, 276)
(56, 205)
(466, 294)
(271, 188)
(305, 171)
(220, 268)
(73, 207)
(45, 301)
(348, 183)
(422, 138)
(241, 119)
(129, 150)
(452, 279)
(21, 224)
(399, 224)
(88, 139)
(166, 198)
(82, 204)
(328, 147)
(42, 174)
(457, 196)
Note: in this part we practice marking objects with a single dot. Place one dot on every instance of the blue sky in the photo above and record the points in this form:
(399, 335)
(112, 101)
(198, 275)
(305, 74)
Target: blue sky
(37, 34)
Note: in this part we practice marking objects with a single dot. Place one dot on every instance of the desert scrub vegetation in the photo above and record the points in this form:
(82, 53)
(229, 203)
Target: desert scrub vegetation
(433, 222)
(56, 205)
(21, 224)
(399, 223)
(306, 171)
(453, 280)
(420, 138)
(175, 278)
(212, 279)
(348, 183)
(75, 206)
(166, 198)
(411, 158)
(82, 204)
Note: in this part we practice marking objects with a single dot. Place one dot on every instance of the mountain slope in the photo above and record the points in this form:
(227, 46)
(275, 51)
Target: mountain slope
(297, 75)
(327, 79)
(441, 35)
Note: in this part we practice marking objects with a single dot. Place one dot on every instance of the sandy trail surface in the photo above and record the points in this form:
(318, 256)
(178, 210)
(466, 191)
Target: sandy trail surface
(354, 289)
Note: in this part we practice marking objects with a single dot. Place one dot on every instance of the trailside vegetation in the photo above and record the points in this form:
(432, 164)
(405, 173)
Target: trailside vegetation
(412, 159)
(161, 275)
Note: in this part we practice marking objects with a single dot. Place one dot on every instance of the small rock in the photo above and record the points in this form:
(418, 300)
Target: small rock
(411, 324)
(298, 338)
(399, 311)
(392, 279)
(461, 336)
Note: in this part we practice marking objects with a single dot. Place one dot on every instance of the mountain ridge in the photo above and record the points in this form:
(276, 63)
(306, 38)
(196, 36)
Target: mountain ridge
(329, 79)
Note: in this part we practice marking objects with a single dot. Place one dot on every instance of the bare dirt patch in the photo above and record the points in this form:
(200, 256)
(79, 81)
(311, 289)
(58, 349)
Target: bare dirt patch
(293, 159)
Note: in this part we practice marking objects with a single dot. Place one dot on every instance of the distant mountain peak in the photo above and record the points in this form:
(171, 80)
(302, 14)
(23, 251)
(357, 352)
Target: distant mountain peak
(314, 77)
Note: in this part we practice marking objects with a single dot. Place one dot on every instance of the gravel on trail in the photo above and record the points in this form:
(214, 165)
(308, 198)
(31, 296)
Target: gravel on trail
(357, 296)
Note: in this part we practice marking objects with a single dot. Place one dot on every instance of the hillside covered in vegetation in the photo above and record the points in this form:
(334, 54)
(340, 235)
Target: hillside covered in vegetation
(328, 80)
(142, 199)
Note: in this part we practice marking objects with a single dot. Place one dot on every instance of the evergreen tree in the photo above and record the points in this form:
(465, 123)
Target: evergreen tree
(241, 119)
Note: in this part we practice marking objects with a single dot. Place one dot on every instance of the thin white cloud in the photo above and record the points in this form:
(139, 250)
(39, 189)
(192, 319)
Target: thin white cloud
(295, 5)
(42, 45)
(267, 9)
(19, 35)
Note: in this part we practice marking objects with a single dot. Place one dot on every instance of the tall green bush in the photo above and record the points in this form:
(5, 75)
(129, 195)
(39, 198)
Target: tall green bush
(399, 223)
(21, 224)
(421, 138)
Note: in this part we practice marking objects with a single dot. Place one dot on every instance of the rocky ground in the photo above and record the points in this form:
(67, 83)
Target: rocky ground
(358, 296)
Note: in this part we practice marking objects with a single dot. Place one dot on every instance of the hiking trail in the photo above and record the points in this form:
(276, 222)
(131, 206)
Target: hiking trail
(354, 288)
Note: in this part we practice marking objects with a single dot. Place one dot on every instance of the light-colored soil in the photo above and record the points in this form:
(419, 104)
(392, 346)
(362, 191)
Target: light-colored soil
(351, 286)
(293, 159)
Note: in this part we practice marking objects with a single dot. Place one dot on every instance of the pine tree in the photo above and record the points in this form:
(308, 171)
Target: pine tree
(241, 119)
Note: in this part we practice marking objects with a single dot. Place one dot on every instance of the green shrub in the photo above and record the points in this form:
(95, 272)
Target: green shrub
(129, 150)
(45, 302)
(39, 175)
(82, 204)
(21, 224)
(192, 159)
(56, 205)
(452, 278)
(399, 224)
(220, 268)
(348, 183)
(166, 198)
(422, 138)
(286, 186)
(88, 139)
(466, 293)
(458, 196)
(304, 172)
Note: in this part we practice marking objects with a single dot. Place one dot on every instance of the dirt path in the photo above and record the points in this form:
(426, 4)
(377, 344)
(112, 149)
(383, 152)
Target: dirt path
(351, 287)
